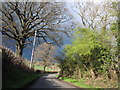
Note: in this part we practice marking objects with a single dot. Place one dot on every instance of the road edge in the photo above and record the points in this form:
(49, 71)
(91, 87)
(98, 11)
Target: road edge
(26, 85)
(31, 82)
(71, 84)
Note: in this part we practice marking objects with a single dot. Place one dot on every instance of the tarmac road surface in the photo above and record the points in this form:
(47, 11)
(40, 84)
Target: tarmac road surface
(49, 81)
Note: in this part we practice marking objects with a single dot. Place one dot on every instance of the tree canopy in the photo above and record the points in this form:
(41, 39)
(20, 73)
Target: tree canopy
(45, 52)
(20, 20)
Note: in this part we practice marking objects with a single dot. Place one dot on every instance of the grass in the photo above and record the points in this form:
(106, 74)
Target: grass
(15, 74)
(90, 83)
(78, 82)
(42, 68)
(56, 75)
(19, 79)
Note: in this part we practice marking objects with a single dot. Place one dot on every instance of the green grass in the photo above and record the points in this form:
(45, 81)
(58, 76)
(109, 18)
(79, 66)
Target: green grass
(14, 73)
(56, 75)
(78, 82)
(19, 79)
(42, 68)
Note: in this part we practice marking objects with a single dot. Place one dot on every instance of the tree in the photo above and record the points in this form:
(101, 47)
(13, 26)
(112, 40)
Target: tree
(102, 18)
(95, 15)
(60, 57)
(87, 53)
(115, 31)
(98, 17)
(21, 19)
(45, 52)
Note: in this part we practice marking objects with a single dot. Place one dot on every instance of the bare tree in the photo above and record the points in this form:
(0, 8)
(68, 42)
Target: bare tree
(21, 19)
(95, 15)
(45, 52)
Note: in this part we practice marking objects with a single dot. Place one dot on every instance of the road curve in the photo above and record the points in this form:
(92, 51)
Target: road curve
(49, 81)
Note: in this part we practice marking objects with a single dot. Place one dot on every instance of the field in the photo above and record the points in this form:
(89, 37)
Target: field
(42, 68)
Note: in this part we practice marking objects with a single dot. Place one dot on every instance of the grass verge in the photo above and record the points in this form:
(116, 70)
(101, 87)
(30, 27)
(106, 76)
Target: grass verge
(78, 82)
(90, 83)
(19, 79)
(15, 71)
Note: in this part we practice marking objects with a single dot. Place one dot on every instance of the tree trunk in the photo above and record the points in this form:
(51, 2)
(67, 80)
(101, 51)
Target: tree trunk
(44, 65)
(80, 73)
(91, 69)
(19, 49)
(44, 68)
(118, 74)
(92, 73)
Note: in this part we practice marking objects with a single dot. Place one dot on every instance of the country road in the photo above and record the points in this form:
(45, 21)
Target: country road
(49, 81)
